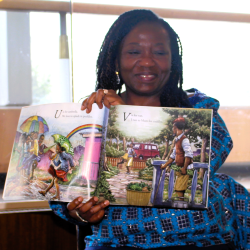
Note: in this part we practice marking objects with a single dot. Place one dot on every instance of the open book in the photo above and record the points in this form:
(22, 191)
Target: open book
(60, 152)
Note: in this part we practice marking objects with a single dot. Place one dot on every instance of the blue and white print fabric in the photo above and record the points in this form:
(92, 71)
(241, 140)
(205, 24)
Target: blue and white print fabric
(226, 219)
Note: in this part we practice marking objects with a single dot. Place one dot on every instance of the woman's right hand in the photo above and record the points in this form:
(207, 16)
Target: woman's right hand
(91, 211)
(107, 97)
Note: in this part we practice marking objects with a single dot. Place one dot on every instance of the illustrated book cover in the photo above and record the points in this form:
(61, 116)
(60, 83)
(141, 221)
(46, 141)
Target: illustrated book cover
(130, 155)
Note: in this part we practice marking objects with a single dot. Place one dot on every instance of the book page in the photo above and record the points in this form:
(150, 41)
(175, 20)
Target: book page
(56, 153)
(139, 140)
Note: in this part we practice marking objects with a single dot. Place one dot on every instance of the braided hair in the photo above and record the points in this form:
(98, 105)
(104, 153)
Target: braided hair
(172, 94)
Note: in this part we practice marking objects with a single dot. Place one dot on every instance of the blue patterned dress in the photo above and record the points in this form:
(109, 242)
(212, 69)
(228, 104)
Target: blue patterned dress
(226, 219)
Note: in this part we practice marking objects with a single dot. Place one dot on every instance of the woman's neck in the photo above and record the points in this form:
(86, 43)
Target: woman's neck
(133, 99)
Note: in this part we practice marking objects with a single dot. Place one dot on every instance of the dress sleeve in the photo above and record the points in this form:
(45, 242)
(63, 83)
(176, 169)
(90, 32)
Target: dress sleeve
(68, 157)
(222, 143)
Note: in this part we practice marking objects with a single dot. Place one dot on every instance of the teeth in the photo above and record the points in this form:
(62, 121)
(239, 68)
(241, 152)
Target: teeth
(144, 76)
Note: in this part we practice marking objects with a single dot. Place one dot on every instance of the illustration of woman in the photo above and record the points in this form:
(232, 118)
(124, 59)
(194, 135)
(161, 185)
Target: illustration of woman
(20, 151)
(24, 151)
(130, 157)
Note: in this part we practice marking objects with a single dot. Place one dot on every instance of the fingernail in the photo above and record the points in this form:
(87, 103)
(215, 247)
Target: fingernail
(106, 203)
(95, 198)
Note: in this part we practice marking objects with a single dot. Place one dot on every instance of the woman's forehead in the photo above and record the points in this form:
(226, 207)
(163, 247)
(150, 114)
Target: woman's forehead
(147, 31)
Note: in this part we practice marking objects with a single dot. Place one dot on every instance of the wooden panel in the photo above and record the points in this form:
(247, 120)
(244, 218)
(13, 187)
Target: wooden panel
(60, 6)
(30, 231)
(8, 207)
(8, 126)
(34, 5)
(237, 120)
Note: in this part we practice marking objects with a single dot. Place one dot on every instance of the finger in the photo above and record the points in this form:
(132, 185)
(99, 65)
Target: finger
(99, 97)
(97, 216)
(99, 207)
(88, 205)
(106, 102)
(112, 99)
(73, 204)
(89, 102)
(84, 103)
(94, 212)
(83, 106)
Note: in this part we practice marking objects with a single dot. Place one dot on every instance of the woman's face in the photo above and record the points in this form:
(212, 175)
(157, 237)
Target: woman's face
(145, 59)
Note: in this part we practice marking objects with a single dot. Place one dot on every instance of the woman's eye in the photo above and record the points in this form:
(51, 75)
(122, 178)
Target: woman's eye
(161, 52)
(134, 52)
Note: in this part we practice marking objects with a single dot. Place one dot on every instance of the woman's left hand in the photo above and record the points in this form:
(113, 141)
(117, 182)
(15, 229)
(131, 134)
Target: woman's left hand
(91, 211)
(106, 97)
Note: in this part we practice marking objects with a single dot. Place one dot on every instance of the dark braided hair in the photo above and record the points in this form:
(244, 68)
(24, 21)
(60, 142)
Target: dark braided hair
(172, 95)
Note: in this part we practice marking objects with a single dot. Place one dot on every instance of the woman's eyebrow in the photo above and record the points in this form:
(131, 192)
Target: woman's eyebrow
(162, 43)
(157, 44)
(132, 43)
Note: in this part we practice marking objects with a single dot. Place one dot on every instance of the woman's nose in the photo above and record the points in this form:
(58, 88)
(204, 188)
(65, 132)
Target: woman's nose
(147, 60)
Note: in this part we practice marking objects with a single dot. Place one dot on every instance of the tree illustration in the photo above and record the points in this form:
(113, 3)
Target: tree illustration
(103, 189)
(112, 131)
(166, 135)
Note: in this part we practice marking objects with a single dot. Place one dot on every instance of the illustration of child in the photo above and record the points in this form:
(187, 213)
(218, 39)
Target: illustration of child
(63, 164)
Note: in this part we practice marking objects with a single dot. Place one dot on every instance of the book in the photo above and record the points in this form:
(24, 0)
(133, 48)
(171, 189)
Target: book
(130, 155)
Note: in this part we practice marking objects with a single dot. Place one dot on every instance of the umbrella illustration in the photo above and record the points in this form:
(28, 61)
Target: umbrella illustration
(64, 142)
(35, 124)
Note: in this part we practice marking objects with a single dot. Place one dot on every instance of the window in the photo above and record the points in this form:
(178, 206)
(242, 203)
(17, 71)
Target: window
(32, 69)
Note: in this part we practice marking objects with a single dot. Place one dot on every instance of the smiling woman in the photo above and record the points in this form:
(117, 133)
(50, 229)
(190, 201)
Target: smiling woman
(140, 48)
(148, 55)
(145, 62)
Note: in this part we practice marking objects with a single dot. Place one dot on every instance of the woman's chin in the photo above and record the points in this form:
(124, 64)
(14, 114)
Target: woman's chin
(147, 91)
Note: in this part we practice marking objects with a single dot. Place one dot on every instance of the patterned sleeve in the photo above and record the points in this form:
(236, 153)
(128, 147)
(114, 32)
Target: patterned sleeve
(221, 140)
(237, 209)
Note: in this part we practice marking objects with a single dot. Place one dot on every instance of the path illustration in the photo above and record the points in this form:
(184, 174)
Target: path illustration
(119, 182)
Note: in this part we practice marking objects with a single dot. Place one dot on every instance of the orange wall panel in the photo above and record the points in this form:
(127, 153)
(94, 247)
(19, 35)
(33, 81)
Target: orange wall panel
(8, 126)
(237, 120)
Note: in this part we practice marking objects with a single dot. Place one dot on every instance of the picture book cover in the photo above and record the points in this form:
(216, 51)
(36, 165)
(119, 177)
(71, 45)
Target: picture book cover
(130, 155)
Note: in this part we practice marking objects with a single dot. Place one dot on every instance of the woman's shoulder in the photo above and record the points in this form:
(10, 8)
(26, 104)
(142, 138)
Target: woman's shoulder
(201, 100)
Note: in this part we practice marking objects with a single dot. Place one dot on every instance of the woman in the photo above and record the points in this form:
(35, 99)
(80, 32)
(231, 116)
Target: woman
(131, 154)
(144, 53)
